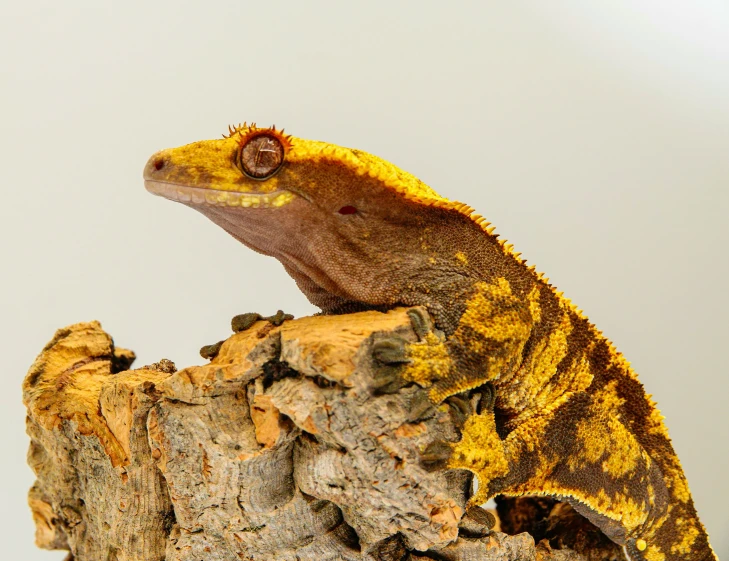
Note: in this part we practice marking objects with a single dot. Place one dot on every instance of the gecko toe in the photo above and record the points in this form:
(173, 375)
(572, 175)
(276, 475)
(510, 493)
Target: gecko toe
(421, 408)
(436, 455)
(460, 409)
(389, 355)
(391, 350)
(420, 322)
(387, 379)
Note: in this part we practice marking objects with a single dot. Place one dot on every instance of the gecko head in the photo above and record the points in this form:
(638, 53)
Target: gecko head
(348, 226)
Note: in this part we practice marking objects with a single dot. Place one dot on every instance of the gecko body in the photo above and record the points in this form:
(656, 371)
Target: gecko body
(569, 418)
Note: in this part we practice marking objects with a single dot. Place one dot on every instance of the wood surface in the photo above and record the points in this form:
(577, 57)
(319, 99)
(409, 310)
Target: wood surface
(277, 449)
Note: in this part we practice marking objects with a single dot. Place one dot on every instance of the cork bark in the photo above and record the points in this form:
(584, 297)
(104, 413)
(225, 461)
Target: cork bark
(276, 449)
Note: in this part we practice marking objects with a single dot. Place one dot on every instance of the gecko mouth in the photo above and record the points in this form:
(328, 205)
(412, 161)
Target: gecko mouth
(197, 196)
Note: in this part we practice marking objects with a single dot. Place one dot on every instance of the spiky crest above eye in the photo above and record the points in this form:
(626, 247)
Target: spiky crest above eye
(246, 132)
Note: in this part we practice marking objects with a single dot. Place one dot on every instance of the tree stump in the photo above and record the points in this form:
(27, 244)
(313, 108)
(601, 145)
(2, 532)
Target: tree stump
(278, 449)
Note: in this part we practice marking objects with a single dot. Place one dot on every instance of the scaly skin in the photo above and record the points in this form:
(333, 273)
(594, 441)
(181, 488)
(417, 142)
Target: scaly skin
(570, 418)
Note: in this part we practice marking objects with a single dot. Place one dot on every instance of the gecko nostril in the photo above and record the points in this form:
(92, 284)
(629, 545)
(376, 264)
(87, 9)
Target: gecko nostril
(159, 163)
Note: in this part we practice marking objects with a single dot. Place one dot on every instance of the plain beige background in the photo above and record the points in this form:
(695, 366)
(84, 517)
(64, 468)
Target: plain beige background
(595, 135)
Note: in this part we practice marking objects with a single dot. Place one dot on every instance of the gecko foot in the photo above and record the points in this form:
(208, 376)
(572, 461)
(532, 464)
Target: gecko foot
(437, 454)
(422, 408)
(242, 322)
(393, 354)
(391, 351)
(390, 355)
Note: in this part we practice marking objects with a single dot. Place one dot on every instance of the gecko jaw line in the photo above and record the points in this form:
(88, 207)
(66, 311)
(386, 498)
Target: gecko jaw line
(214, 197)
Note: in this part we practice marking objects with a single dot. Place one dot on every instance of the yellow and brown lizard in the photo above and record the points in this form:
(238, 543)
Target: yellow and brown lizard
(567, 417)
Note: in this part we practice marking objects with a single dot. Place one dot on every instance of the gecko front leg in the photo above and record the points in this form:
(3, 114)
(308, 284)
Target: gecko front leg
(400, 362)
(487, 342)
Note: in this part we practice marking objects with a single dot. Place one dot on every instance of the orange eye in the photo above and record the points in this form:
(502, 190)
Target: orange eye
(347, 210)
(261, 156)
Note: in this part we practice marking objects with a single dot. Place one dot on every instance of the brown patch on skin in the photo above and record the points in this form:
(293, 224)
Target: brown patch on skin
(542, 380)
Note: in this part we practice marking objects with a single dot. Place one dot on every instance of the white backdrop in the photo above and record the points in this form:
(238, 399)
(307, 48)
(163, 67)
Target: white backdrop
(594, 135)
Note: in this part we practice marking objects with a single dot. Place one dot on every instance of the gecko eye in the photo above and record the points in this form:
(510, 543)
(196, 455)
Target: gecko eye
(347, 210)
(261, 156)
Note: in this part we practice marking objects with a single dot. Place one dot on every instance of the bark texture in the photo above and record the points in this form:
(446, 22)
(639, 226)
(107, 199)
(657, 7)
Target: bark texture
(278, 449)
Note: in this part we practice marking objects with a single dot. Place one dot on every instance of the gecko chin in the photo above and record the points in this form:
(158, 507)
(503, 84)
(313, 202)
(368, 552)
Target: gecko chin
(201, 196)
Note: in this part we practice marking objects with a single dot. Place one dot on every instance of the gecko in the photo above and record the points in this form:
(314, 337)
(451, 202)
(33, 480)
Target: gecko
(567, 417)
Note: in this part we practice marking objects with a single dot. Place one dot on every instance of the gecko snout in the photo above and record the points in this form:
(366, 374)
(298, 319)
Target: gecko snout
(154, 165)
